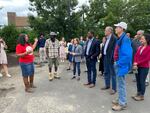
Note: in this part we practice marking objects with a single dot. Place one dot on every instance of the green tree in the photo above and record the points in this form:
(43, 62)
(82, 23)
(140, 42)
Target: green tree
(10, 35)
(55, 15)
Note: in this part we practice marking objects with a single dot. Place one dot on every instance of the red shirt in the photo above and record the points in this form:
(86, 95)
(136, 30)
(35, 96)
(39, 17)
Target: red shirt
(142, 57)
(22, 49)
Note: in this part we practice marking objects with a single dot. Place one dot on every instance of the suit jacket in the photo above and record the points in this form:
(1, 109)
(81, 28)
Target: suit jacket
(94, 50)
(78, 52)
(111, 48)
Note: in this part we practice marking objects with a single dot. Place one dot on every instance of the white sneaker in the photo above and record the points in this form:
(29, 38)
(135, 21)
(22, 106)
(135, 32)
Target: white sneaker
(1, 75)
(8, 75)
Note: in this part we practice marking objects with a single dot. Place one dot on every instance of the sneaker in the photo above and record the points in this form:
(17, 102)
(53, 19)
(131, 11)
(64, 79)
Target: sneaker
(139, 98)
(1, 75)
(8, 75)
(133, 96)
(116, 102)
(73, 77)
(51, 77)
(56, 76)
(119, 107)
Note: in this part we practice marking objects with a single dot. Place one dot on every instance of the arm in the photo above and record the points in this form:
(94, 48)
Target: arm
(23, 54)
(145, 59)
(46, 48)
(126, 52)
(97, 46)
(35, 43)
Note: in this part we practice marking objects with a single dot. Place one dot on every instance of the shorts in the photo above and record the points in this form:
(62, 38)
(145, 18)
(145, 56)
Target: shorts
(53, 61)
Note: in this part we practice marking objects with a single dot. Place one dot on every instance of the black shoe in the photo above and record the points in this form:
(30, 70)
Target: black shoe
(105, 88)
(73, 77)
(68, 69)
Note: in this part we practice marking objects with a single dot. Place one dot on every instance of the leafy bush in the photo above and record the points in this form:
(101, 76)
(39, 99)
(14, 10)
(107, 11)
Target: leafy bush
(10, 34)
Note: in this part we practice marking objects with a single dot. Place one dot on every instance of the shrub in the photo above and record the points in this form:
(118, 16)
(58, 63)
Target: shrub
(10, 34)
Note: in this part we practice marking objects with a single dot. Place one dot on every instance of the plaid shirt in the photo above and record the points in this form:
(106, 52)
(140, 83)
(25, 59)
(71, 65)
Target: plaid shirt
(53, 48)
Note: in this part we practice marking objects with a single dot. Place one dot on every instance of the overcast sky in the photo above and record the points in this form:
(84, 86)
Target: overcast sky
(18, 6)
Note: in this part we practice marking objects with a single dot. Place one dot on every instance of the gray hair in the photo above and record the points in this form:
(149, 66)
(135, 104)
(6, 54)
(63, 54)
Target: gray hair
(110, 29)
(141, 31)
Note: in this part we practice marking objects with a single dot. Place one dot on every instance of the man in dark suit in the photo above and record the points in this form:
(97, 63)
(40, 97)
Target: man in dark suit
(92, 51)
(109, 72)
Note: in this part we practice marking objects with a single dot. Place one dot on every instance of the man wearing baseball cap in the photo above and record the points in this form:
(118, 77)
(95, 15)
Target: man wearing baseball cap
(52, 51)
(123, 64)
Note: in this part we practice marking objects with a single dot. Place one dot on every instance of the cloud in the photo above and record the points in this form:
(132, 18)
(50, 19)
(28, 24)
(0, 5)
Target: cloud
(18, 6)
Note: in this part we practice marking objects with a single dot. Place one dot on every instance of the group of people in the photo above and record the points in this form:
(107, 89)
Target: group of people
(118, 55)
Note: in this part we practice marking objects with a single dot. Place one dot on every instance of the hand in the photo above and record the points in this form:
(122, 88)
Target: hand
(36, 40)
(1, 39)
(135, 64)
(73, 54)
(135, 67)
(29, 52)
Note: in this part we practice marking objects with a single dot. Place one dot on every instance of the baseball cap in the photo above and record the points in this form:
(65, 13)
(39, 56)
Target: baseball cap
(53, 34)
(122, 25)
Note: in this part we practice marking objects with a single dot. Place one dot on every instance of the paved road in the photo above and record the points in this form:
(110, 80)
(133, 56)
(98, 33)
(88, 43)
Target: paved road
(62, 96)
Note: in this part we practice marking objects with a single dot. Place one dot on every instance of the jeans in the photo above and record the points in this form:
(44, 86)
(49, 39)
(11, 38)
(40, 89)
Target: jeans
(92, 73)
(42, 54)
(76, 65)
(141, 78)
(109, 74)
(122, 90)
(122, 93)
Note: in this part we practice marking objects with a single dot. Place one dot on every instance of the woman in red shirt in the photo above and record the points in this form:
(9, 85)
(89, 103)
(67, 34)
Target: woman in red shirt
(141, 63)
(24, 51)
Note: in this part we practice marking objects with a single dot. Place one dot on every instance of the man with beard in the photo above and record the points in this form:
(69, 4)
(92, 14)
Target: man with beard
(52, 51)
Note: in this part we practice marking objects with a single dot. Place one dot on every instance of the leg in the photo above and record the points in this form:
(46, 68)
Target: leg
(122, 90)
(143, 76)
(50, 60)
(31, 82)
(27, 85)
(88, 71)
(79, 71)
(74, 69)
(78, 67)
(56, 64)
(6, 70)
(106, 73)
(93, 68)
(40, 54)
(113, 77)
(138, 83)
